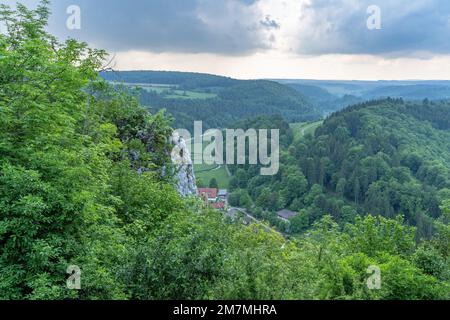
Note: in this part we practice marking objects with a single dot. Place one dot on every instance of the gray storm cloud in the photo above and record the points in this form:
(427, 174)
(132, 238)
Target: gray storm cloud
(191, 26)
(408, 27)
(240, 27)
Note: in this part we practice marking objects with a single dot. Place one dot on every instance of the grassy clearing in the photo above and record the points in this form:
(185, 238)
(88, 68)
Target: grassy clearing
(205, 172)
(173, 93)
(218, 172)
(303, 128)
(170, 91)
(180, 94)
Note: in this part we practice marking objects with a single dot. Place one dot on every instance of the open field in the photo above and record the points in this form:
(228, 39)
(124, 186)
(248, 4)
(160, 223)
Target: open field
(180, 94)
(170, 91)
(205, 173)
(303, 128)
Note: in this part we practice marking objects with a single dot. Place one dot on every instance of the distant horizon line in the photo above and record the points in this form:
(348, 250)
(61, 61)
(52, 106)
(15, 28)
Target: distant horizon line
(284, 79)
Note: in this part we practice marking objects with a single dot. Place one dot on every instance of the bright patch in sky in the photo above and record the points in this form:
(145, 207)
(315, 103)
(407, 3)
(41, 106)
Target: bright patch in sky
(321, 39)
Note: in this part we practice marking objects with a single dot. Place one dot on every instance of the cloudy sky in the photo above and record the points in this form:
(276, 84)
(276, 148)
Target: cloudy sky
(314, 39)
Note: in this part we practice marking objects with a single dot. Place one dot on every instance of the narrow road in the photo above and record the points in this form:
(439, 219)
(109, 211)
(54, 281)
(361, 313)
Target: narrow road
(228, 171)
(262, 224)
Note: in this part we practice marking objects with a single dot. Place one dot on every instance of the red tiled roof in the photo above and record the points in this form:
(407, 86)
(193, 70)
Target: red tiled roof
(218, 205)
(212, 193)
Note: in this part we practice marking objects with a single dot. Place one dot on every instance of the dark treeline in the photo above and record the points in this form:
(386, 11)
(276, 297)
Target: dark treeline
(185, 80)
(244, 100)
(382, 157)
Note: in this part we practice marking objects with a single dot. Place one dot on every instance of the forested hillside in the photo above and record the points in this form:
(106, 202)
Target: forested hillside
(412, 92)
(323, 100)
(185, 80)
(332, 96)
(384, 157)
(217, 101)
(86, 181)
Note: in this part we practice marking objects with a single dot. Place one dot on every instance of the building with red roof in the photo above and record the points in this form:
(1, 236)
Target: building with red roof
(218, 205)
(211, 198)
(208, 192)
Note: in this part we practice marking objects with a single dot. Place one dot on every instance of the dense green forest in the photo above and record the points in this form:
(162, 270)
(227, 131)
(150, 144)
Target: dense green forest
(386, 157)
(86, 180)
(323, 100)
(221, 101)
(185, 80)
(244, 100)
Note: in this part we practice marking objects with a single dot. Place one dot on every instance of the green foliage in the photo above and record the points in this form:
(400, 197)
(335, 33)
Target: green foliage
(213, 183)
(85, 180)
(241, 100)
(204, 173)
(373, 235)
(185, 80)
(384, 157)
(63, 133)
(390, 178)
(240, 199)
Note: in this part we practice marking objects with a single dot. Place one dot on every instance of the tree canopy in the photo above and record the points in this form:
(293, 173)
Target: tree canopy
(85, 180)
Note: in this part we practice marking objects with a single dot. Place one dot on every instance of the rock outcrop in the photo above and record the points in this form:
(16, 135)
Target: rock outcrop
(181, 158)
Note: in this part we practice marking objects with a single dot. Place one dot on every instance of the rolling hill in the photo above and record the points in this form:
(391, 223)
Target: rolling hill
(386, 157)
(217, 101)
